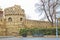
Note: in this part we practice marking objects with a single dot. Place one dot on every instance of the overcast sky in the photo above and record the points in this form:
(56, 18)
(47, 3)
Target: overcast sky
(27, 5)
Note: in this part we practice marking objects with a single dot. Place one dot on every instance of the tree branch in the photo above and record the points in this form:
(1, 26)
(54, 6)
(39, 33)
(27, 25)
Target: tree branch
(45, 11)
(54, 5)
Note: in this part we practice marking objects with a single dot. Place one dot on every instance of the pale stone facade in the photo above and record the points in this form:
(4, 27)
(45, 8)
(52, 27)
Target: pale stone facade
(2, 24)
(14, 18)
(35, 23)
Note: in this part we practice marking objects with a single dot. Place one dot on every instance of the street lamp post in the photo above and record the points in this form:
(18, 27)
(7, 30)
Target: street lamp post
(56, 29)
(56, 24)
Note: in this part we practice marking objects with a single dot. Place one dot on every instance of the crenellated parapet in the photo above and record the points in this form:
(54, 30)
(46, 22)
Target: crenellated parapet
(16, 9)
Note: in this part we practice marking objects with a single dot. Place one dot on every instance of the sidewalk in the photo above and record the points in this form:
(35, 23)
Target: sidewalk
(46, 36)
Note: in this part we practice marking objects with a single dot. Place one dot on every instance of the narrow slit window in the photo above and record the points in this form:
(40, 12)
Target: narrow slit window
(21, 19)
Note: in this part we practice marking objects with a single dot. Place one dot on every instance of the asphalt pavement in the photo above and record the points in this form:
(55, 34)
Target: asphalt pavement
(25, 38)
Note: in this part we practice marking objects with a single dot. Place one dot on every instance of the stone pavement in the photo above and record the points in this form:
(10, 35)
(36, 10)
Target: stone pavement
(9, 38)
(26, 38)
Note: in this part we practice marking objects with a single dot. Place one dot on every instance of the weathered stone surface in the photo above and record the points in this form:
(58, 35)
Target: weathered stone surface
(13, 18)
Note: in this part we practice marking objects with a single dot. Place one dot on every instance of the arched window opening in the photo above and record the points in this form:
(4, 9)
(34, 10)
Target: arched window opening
(9, 19)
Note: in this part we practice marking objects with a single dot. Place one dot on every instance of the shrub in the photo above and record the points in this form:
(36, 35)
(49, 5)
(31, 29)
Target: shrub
(23, 31)
(36, 31)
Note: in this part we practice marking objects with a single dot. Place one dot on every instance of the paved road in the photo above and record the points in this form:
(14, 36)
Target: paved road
(14, 38)
(9, 38)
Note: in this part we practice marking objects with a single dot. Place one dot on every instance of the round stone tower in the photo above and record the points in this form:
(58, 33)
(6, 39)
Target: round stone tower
(15, 18)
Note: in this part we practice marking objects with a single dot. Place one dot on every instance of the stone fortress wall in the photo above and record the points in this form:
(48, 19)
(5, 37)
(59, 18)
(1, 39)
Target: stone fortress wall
(13, 18)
